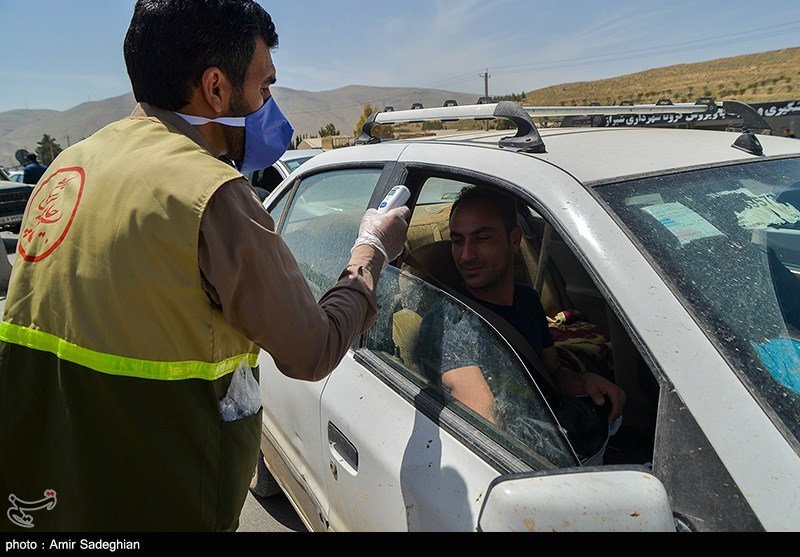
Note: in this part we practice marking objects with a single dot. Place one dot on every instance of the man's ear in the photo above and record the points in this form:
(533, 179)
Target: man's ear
(516, 238)
(216, 90)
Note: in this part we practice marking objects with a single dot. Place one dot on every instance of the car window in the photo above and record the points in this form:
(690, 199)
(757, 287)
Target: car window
(276, 211)
(322, 221)
(439, 190)
(294, 164)
(728, 241)
(418, 324)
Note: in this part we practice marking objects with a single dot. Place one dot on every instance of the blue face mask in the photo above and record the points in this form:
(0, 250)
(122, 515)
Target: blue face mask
(267, 134)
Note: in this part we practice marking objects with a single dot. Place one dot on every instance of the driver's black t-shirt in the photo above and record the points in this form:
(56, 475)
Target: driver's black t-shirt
(459, 346)
(526, 315)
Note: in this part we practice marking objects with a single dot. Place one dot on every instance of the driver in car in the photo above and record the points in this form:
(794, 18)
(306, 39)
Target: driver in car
(485, 237)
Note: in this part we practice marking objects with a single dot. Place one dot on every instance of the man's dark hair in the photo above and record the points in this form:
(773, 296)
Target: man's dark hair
(30, 157)
(506, 206)
(170, 43)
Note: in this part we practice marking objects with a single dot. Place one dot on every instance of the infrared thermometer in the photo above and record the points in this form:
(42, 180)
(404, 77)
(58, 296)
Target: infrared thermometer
(396, 197)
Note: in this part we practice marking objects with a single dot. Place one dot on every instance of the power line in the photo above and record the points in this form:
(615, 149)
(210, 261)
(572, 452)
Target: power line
(669, 48)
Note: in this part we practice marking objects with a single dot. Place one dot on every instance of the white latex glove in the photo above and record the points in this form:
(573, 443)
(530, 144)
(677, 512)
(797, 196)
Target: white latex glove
(386, 232)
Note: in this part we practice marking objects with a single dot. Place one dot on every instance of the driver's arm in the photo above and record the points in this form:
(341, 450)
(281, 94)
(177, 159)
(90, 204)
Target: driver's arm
(468, 386)
(570, 382)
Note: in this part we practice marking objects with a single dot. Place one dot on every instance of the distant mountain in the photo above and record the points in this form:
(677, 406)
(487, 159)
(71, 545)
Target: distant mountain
(765, 76)
(307, 111)
(23, 129)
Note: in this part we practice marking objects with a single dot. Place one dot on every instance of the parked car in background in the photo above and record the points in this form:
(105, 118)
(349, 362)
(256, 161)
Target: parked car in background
(267, 179)
(674, 249)
(13, 200)
(17, 176)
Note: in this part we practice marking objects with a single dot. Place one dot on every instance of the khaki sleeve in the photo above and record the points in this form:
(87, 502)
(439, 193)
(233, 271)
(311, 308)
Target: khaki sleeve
(250, 273)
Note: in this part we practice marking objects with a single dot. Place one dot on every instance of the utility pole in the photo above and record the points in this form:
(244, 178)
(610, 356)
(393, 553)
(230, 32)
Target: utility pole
(486, 77)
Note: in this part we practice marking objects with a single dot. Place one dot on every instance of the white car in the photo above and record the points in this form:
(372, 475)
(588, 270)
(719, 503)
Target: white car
(267, 179)
(675, 249)
(17, 176)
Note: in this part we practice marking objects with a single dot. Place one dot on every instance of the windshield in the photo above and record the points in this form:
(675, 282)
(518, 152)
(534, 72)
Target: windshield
(728, 240)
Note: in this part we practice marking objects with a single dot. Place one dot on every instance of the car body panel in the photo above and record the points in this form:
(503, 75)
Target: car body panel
(294, 429)
(291, 160)
(431, 468)
(267, 179)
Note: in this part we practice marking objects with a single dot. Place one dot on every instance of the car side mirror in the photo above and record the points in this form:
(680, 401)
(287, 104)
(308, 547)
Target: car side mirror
(607, 499)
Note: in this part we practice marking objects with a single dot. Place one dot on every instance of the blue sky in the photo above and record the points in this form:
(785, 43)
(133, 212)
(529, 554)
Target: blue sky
(57, 54)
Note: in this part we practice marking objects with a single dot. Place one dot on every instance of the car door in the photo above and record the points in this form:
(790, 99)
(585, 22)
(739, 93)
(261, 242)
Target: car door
(404, 455)
(318, 218)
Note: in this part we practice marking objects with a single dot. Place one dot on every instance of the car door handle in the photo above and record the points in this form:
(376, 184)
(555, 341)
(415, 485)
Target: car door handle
(342, 447)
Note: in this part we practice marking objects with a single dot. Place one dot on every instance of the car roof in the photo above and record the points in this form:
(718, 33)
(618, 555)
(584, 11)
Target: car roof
(598, 155)
(300, 154)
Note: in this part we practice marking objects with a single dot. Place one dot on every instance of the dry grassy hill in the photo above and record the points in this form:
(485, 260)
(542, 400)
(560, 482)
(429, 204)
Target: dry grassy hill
(765, 76)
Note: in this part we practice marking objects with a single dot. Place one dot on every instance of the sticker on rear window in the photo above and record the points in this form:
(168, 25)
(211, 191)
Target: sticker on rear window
(683, 223)
(761, 211)
(782, 359)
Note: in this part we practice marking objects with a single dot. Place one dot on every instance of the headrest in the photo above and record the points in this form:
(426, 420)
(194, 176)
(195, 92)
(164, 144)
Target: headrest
(435, 258)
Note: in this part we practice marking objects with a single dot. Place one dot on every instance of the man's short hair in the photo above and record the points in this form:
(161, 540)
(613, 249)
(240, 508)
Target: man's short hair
(506, 205)
(30, 157)
(170, 43)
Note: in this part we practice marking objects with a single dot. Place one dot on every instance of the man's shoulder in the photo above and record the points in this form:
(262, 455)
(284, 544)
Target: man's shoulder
(527, 298)
(523, 291)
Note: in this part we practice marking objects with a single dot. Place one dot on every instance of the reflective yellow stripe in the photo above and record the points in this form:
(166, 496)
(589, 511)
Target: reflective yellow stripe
(118, 365)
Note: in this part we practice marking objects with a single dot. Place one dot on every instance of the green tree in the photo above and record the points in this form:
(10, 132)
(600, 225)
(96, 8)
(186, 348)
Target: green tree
(381, 132)
(47, 149)
(368, 110)
(328, 131)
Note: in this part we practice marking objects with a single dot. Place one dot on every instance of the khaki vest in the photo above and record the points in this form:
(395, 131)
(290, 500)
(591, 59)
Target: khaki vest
(113, 359)
(110, 239)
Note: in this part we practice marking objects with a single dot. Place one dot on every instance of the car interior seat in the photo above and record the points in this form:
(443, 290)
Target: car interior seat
(406, 325)
(428, 242)
(267, 179)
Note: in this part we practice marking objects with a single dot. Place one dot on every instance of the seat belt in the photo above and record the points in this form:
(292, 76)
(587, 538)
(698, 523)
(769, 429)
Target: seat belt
(515, 338)
(544, 255)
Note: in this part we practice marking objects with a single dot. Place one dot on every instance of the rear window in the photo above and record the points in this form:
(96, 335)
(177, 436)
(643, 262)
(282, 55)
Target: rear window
(728, 241)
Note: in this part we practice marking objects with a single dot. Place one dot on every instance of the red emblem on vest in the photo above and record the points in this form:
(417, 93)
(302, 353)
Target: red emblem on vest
(51, 211)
